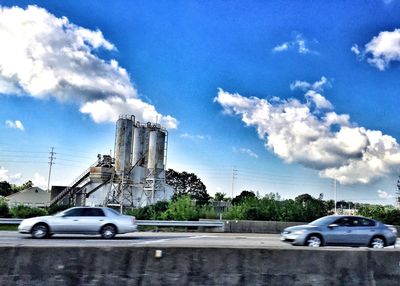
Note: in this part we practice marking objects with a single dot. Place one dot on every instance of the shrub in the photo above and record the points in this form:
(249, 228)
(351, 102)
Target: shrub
(4, 210)
(22, 211)
(149, 212)
(181, 209)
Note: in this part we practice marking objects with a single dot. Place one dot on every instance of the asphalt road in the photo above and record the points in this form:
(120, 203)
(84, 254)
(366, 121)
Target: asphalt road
(156, 239)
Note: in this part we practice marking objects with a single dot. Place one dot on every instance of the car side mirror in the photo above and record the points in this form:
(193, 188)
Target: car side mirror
(332, 225)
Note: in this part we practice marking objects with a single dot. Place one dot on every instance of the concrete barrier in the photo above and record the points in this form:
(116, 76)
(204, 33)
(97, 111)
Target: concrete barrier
(197, 266)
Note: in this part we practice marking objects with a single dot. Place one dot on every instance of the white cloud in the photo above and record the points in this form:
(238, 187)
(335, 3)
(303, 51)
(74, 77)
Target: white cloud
(17, 124)
(45, 56)
(355, 49)
(320, 101)
(194, 136)
(381, 50)
(298, 43)
(246, 151)
(316, 86)
(387, 2)
(308, 134)
(281, 48)
(39, 181)
(5, 176)
(384, 195)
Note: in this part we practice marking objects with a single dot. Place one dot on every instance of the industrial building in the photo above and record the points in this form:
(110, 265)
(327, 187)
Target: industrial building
(135, 177)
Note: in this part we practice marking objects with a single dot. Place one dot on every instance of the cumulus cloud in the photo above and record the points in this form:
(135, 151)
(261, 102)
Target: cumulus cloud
(11, 178)
(298, 43)
(39, 181)
(384, 195)
(313, 136)
(355, 49)
(17, 124)
(381, 50)
(316, 86)
(45, 56)
(194, 136)
(246, 151)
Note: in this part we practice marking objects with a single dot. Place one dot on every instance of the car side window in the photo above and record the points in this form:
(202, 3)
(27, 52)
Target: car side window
(366, 222)
(93, 212)
(73, 212)
(344, 221)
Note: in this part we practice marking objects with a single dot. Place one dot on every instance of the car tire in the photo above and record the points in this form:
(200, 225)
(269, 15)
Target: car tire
(377, 242)
(40, 230)
(313, 240)
(108, 231)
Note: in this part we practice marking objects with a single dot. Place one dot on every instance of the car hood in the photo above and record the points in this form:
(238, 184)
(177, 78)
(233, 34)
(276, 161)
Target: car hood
(298, 227)
(37, 218)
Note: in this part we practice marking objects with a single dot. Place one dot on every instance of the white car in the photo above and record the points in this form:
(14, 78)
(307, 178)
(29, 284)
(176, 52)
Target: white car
(80, 220)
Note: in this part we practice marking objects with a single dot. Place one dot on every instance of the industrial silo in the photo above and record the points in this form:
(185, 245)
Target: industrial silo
(123, 144)
(156, 153)
(139, 145)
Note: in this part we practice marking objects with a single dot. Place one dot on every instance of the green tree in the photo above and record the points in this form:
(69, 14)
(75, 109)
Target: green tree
(220, 197)
(24, 186)
(187, 184)
(243, 196)
(5, 189)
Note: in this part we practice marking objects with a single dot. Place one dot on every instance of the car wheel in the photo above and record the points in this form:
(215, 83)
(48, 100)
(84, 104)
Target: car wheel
(313, 241)
(108, 231)
(40, 230)
(377, 242)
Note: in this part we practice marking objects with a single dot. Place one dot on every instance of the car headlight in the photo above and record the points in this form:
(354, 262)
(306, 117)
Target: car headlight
(299, 231)
(392, 229)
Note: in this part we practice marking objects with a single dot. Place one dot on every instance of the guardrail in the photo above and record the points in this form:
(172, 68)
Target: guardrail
(158, 223)
(175, 223)
(10, 221)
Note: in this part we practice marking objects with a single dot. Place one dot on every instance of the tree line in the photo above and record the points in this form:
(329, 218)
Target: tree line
(191, 201)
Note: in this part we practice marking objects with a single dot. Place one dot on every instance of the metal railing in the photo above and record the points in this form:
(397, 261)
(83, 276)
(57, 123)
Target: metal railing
(158, 223)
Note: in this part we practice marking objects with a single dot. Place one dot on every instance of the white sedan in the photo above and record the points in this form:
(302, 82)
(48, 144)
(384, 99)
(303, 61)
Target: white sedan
(80, 220)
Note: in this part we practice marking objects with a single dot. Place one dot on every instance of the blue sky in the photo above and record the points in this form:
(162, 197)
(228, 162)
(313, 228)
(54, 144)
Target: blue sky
(221, 76)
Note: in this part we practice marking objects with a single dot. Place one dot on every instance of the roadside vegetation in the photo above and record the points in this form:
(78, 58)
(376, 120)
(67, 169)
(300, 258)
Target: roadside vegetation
(192, 202)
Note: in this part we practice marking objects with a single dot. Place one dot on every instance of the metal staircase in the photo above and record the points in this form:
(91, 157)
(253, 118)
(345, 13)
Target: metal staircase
(74, 186)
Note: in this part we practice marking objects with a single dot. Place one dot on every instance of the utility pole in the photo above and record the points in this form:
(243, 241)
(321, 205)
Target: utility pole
(334, 192)
(234, 177)
(51, 162)
(398, 194)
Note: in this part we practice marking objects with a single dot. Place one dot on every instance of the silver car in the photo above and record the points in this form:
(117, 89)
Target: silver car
(80, 220)
(338, 230)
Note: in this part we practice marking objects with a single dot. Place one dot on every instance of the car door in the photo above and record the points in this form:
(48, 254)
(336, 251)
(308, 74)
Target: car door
(362, 230)
(340, 232)
(69, 222)
(92, 220)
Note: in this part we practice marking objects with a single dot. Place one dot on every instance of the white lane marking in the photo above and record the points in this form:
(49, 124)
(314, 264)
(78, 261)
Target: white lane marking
(169, 239)
(202, 236)
(152, 241)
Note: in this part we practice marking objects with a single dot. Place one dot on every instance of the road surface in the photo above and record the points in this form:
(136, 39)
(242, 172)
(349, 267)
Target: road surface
(159, 239)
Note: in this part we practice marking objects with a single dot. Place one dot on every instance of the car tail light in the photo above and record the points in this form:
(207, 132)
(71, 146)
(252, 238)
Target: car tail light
(133, 220)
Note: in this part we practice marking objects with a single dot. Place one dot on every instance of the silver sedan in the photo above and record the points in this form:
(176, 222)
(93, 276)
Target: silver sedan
(341, 231)
(80, 220)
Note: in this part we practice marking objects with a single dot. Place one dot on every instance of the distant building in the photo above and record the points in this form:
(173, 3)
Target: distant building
(32, 197)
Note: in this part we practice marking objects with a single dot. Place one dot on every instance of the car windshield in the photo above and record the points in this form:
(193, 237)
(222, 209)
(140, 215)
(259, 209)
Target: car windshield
(322, 221)
(60, 213)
